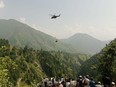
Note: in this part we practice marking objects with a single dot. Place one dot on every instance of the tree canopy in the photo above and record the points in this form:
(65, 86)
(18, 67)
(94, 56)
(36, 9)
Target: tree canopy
(19, 66)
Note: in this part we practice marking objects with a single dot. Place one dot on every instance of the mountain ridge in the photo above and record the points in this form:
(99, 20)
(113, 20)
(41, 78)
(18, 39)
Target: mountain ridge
(85, 43)
(20, 34)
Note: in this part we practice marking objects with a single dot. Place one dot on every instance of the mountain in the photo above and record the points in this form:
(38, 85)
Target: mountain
(22, 35)
(85, 43)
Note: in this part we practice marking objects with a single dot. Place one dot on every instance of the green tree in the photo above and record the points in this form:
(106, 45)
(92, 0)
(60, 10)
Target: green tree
(107, 60)
(6, 66)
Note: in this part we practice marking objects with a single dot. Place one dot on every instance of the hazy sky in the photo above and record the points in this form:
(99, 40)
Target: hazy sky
(94, 17)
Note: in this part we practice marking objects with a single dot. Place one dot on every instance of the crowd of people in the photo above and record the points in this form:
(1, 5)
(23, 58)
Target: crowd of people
(81, 81)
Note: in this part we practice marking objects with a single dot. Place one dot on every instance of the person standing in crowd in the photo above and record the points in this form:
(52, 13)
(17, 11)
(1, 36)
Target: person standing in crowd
(60, 84)
(86, 81)
(45, 82)
(53, 82)
(72, 83)
(92, 82)
(67, 82)
(106, 81)
(77, 83)
(98, 84)
(64, 83)
(113, 84)
(80, 81)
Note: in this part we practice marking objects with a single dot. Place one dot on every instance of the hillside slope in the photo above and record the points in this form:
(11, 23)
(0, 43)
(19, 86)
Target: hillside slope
(85, 43)
(20, 34)
(20, 66)
(95, 65)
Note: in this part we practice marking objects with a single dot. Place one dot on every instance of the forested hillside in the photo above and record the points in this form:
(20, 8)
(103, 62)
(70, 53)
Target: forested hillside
(20, 34)
(101, 64)
(85, 43)
(18, 65)
(26, 66)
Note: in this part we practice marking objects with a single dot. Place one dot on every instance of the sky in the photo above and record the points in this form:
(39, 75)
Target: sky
(94, 17)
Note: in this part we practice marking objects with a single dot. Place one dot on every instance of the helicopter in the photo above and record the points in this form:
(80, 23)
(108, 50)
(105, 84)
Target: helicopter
(55, 16)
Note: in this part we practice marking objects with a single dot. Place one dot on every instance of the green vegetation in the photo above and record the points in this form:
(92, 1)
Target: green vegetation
(61, 64)
(107, 58)
(26, 66)
(85, 43)
(22, 35)
(18, 65)
(101, 64)
(89, 67)
(32, 55)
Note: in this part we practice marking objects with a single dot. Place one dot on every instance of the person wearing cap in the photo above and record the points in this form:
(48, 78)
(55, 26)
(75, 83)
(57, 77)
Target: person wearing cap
(80, 81)
(98, 84)
(113, 84)
(60, 84)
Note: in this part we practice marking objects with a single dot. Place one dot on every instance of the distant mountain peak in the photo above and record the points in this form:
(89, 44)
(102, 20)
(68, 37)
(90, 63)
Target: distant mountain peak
(81, 34)
(85, 43)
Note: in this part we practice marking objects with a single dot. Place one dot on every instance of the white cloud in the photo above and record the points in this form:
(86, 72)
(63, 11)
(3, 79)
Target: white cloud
(71, 30)
(66, 31)
(22, 19)
(2, 5)
(36, 26)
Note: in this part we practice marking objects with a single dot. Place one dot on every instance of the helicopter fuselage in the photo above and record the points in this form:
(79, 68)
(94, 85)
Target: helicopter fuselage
(54, 16)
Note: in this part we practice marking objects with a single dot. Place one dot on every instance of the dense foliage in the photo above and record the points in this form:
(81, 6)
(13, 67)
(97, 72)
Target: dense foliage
(61, 64)
(19, 66)
(101, 64)
(107, 61)
(89, 67)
